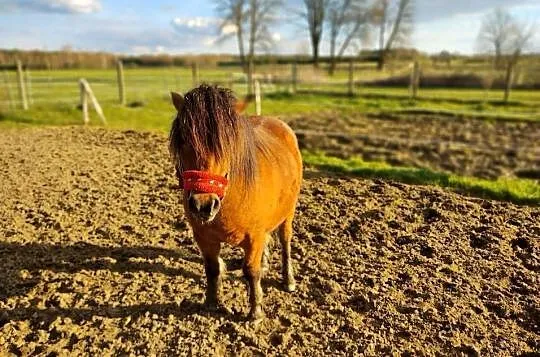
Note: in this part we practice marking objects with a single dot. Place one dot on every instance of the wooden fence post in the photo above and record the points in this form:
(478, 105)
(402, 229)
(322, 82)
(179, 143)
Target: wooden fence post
(258, 97)
(28, 79)
(8, 90)
(415, 80)
(22, 89)
(509, 78)
(294, 75)
(86, 92)
(195, 74)
(351, 78)
(84, 102)
(121, 83)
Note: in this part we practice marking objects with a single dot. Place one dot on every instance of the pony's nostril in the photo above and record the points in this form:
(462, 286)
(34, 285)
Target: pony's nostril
(206, 209)
(194, 205)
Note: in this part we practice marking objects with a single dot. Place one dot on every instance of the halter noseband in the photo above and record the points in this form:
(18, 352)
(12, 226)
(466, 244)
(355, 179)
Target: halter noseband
(205, 182)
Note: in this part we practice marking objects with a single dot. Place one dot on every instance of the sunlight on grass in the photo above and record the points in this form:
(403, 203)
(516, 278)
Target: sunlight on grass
(520, 191)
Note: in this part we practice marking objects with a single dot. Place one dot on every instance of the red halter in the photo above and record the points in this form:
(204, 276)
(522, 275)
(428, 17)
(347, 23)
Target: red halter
(205, 182)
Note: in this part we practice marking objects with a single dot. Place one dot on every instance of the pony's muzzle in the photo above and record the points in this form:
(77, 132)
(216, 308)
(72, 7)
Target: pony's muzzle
(204, 206)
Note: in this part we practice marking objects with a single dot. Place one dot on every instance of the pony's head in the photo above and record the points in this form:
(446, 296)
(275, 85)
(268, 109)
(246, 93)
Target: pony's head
(210, 145)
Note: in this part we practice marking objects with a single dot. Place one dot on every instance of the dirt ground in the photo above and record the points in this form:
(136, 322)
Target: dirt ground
(96, 259)
(469, 147)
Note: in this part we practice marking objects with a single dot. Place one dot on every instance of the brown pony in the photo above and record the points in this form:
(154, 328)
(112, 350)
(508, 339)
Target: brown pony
(241, 178)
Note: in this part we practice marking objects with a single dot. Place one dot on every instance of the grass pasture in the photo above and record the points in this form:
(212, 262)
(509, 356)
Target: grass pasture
(55, 97)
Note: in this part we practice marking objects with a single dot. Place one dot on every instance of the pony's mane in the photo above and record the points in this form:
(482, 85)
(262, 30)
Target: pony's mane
(209, 124)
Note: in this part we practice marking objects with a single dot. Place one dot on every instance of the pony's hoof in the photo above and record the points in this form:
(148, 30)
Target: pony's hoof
(290, 287)
(253, 324)
(217, 308)
(255, 317)
(253, 321)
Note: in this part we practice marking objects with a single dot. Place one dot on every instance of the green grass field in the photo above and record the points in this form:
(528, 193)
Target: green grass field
(56, 95)
(142, 84)
(521, 191)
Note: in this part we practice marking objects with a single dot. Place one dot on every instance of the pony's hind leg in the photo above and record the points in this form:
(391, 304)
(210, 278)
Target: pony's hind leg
(213, 267)
(285, 233)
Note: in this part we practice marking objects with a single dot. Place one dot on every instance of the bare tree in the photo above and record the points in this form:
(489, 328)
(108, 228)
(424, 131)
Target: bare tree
(233, 14)
(346, 20)
(395, 17)
(261, 14)
(315, 15)
(496, 34)
(250, 20)
(507, 38)
(521, 37)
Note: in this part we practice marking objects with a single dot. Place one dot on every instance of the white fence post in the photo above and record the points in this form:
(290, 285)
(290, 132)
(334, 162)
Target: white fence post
(86, 92)
(121, 82)
(22, 87)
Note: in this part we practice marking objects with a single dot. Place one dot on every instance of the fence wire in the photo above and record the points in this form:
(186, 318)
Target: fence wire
(61, 87)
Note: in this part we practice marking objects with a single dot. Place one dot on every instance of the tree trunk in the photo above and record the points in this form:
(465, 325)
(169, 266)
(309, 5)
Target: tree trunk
(508, 80)
(381, 62)
(239, 37)
(315, 49)
(382, 32)
(332, 67)
(498, 62)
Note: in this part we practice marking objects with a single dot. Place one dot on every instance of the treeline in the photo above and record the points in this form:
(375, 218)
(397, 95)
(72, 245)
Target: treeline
(68, 59)
(101, 60)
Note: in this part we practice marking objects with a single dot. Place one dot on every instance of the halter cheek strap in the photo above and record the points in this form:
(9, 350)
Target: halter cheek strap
(205, 182)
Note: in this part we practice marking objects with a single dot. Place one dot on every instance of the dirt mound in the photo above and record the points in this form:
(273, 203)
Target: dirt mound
(95, 258)
(463, 146)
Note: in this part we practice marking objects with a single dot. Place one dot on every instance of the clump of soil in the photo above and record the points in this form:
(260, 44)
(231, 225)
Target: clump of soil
(96, 258)
(462, 146)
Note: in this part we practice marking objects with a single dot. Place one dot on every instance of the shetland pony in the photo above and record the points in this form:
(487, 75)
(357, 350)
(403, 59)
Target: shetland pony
(241, 178)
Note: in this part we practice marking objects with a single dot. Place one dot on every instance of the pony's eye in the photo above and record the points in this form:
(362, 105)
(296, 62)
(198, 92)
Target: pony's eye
(226, 175)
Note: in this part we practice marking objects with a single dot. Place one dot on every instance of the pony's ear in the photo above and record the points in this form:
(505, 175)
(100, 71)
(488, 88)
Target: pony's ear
(241, 105)
(177, 101)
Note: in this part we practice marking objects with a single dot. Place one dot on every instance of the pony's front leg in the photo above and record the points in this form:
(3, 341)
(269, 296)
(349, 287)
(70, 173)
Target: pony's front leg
(253, 250)
(213, 266)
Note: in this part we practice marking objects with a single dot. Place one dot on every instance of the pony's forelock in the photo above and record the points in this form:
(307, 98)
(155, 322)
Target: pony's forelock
(209, 124)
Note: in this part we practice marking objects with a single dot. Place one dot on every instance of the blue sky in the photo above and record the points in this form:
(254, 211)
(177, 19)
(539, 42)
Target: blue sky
(190, 26)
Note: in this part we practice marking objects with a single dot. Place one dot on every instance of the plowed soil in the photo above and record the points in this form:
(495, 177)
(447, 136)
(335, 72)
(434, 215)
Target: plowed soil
(464, 146)
(96, 258)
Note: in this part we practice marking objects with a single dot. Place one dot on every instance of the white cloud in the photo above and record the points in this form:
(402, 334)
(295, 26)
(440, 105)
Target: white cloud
(195, 22)
(210, 41)
(229, 29)
(52, 6)
(276, 37)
